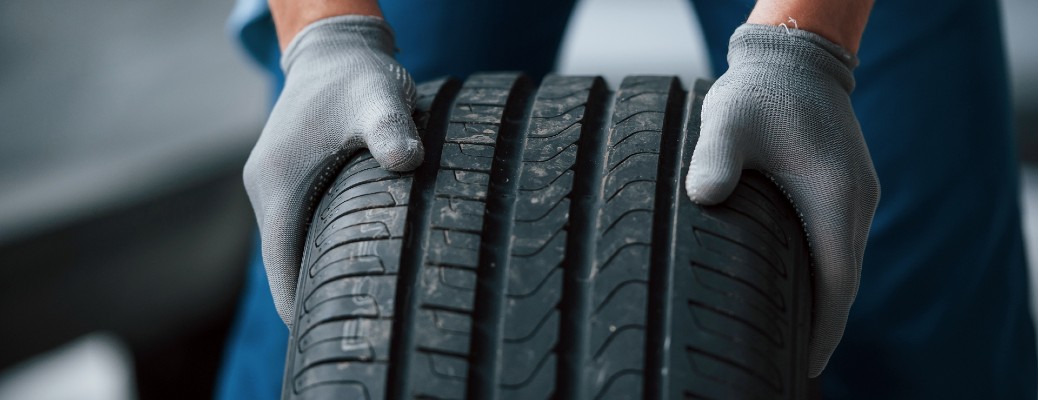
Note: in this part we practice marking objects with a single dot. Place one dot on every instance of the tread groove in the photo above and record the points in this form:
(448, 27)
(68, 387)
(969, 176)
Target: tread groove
(417, 237)
(581, 244)
(496, 245)
(664, 235)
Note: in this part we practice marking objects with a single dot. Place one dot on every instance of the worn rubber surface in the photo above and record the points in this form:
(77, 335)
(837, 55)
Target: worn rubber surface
(545, 249)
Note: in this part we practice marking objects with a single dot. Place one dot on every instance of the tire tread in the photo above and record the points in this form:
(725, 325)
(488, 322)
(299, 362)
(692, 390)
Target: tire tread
(545, 249)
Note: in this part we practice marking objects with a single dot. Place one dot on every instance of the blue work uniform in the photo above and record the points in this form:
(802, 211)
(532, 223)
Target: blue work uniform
(943, 307)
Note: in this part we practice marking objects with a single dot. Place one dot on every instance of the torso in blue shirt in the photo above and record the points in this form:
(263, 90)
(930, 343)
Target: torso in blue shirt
(943, 306)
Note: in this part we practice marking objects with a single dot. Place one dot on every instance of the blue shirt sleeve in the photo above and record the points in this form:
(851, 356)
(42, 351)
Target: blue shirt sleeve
(251, 25)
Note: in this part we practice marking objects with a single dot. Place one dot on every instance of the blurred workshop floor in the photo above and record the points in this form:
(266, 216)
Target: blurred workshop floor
(123, 128)
(107, 102)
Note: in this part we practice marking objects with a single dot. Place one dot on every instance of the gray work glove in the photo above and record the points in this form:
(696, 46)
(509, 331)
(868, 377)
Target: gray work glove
(783, 107)
(343, 92)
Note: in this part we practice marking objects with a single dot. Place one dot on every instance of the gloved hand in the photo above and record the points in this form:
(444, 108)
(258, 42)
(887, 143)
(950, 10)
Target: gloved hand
(783, 107)
(343, 92)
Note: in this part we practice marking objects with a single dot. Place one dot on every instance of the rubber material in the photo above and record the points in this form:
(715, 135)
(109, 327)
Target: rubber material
(544, 248)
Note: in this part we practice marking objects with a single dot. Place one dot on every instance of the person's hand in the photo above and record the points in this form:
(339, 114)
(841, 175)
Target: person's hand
(343, 91)
(783, 107)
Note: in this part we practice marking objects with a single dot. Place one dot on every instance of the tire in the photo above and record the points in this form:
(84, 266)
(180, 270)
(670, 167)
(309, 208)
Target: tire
(546, 249)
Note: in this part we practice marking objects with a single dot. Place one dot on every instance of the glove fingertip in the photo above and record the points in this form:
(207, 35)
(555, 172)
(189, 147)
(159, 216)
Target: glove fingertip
(395, 144)
(711, 187)
(283, 291)
(287, 315)
(815, 371)
(283, 296)
(818, 359)
(281, 241)
(399, 156)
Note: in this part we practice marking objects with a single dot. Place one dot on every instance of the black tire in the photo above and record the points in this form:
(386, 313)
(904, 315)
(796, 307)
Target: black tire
(545, 248)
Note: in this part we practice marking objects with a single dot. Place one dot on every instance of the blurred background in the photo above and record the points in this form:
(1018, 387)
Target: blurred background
(124, 227)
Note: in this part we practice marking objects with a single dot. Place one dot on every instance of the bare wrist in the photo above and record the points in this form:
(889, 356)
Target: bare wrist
(841, 22)
(291, 16)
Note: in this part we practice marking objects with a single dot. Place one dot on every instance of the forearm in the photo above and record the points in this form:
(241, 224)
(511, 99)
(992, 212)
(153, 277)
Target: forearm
(840, 21)
(291, 16)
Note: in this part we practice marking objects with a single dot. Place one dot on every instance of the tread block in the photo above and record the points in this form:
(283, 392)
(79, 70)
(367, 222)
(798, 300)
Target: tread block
(526, 317)
(443, 330)
(437, 292)
(354, 259)
(530, 272)
(375, 223)
(349, 348)
(448, 247)
(350, 330)
(539, 150)
(539, 385)
(527, 246)
(448, 185)
(467, 157)
(527, 359)
(621, 309)
(438, 378)
(372, 195)
(456, 213)
(539, 175)
(765, 297)
(537, 204)
(353, 380)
